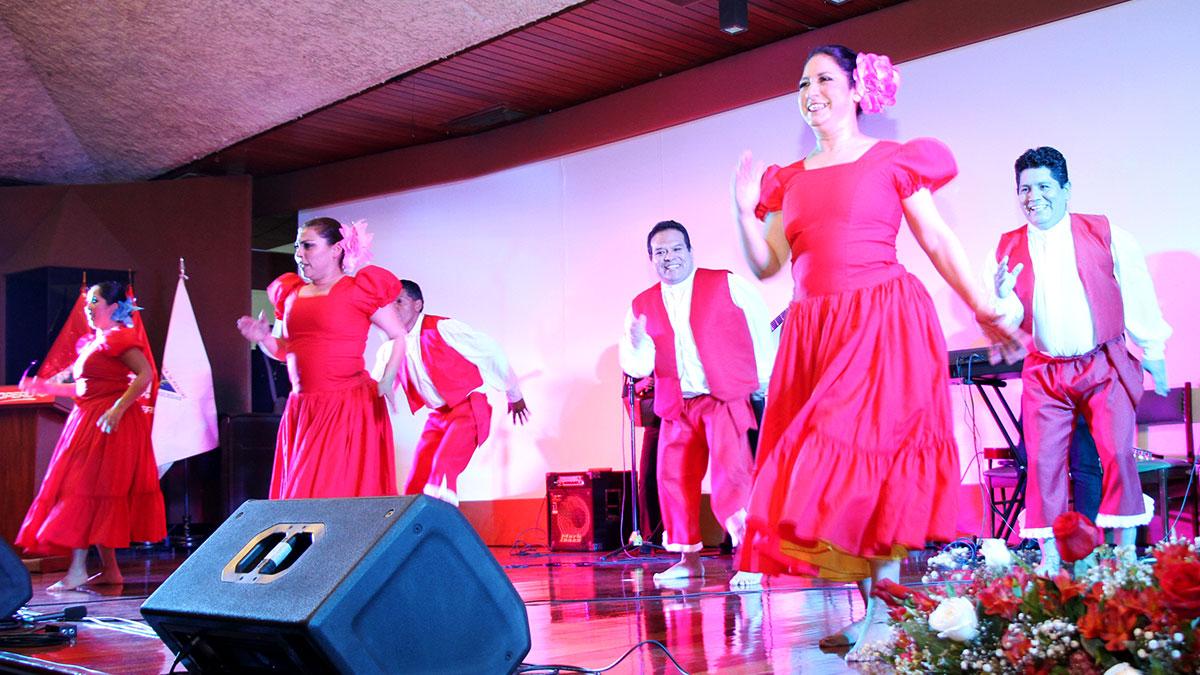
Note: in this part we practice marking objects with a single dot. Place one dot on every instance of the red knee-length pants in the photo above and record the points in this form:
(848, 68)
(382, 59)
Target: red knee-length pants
(1105, 386)
(447, 444)
(706, 428)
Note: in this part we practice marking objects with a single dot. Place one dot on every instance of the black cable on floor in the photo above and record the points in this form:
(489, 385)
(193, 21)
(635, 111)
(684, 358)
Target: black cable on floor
(45, 636)
(559, 668)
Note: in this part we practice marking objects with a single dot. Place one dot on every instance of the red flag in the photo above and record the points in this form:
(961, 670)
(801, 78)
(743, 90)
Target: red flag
(147, 399)
(75, 332)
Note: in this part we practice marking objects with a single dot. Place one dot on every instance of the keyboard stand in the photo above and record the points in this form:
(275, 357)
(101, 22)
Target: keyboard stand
(1010, 427)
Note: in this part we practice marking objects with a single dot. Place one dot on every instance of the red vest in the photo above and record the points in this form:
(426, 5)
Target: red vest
(453, 375)
(1093, 260)
(722, 340)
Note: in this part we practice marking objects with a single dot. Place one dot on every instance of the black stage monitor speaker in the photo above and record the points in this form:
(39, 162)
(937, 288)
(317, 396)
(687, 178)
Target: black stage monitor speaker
(588, 511)
(16, 588)
(367, 585)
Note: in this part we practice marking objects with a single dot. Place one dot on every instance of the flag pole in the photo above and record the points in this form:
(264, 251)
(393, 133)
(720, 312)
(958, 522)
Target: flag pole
(187, 540)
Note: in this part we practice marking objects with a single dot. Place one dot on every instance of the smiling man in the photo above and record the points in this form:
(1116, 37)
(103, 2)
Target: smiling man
(706, 336)
(1078, 284)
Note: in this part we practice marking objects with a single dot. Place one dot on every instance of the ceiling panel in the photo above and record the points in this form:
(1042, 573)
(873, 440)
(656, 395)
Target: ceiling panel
(580, 54)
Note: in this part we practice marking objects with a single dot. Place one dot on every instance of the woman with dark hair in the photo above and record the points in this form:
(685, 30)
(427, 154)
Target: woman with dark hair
(335, 438)
(857, 462)
(101, 487)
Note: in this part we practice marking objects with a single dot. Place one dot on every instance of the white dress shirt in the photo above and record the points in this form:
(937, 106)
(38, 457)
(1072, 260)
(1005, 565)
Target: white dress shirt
(1062, 318)
(474, 346)
(639, 361)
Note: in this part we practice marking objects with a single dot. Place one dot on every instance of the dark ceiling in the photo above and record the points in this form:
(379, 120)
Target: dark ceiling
(579, 54)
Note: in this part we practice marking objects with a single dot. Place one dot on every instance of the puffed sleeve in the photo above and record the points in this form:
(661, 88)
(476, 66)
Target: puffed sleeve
(923, 163)
(374, 287)
(770, 196)
(117, 342)
(282, 287)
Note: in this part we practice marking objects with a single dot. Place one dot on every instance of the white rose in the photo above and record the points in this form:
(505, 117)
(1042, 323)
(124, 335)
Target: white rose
(955, 618)
(1122, 669)
(996, 554)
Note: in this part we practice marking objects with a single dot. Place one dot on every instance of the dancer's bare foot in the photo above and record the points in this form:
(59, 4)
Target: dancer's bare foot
(70, 582)
(746, 580)
(687, 568)
(876, 637)
(845, 637)
(108, 576)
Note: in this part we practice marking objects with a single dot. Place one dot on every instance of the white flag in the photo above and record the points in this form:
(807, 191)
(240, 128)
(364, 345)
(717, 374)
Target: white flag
(185, 417)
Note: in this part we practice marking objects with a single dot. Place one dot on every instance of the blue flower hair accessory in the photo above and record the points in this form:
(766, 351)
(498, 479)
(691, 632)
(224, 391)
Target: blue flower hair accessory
(124, 312)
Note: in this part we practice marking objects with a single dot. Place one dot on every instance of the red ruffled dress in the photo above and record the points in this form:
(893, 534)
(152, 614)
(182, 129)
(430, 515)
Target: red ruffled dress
(335, 438)
(856, 457)
(99, 488)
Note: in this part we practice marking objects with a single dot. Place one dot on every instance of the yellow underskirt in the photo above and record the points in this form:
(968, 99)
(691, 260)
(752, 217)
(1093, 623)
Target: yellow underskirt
(837, 565)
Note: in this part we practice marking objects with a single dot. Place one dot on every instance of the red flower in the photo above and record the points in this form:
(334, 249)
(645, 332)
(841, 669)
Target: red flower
(1180, 583)
(1095, 592)
(886, 589)
(1172, 553)
(895, 595)
(1114, 624)
(1075, 536)
(1082, 663)
(1067, 587)
(998, 599)
(1015, 645)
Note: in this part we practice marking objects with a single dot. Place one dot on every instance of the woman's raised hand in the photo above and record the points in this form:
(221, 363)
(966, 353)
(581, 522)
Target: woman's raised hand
(254, 330)
(747, 183)
(1008, 342)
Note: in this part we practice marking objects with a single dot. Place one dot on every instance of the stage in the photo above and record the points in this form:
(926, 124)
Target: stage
(583, 611)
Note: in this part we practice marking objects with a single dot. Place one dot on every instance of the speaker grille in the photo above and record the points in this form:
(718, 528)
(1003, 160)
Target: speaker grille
(587, 510)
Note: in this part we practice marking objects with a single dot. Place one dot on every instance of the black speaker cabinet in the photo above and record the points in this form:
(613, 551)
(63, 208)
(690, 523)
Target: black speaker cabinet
(16, 588)
(247, 454)
(367, 585)
(588, 510)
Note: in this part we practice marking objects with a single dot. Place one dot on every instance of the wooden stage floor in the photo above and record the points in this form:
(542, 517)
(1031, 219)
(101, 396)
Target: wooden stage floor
(582, 612)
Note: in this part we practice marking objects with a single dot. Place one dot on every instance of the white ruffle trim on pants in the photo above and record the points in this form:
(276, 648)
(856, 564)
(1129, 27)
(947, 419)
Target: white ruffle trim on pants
(1103, 520)
(1117, 522)
(681, 548)
(441, 492)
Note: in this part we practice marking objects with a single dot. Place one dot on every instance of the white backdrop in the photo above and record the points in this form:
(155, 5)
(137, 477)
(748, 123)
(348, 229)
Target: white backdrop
(546, 257)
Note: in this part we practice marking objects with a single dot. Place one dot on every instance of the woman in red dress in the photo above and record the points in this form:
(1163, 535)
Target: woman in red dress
(101, 487)
(335, 438)
(857, 463)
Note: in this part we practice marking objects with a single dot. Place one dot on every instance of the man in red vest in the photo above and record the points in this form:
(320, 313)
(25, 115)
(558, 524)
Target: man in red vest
(1085, 286)
(447, 364)
(706, 336)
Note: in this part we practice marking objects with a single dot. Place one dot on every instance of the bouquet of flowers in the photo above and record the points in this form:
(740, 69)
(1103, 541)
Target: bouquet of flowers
(1121, 615)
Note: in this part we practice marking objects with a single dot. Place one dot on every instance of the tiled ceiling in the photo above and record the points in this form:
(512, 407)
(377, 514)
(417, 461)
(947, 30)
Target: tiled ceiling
(123, 90)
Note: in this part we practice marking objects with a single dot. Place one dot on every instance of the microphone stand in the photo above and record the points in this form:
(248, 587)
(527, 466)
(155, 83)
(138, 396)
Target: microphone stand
(636, 542)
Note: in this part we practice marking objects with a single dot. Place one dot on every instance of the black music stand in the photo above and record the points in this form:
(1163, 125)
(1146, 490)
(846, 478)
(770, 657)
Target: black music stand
(971, 367)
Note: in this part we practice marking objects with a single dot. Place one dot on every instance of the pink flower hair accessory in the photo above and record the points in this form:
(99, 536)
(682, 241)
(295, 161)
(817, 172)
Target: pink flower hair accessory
(876, 81)
(356, 246)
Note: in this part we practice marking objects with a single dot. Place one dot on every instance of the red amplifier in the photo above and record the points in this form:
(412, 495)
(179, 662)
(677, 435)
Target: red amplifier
(588, 510)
